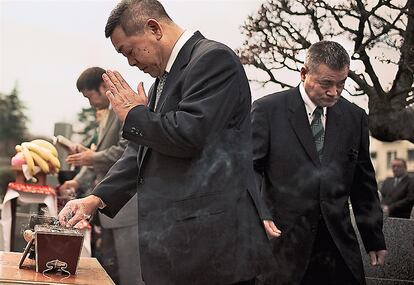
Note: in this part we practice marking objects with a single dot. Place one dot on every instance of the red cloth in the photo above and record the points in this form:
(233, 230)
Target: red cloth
(37, 189)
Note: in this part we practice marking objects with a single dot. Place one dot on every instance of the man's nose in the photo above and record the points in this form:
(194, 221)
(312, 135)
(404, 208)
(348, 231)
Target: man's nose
(332, 91)
(132, 61)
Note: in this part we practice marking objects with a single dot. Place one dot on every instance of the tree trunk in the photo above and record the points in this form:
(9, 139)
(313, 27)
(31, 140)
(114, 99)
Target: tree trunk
(389, 124)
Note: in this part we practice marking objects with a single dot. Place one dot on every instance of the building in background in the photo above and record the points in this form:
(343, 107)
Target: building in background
(382, 153)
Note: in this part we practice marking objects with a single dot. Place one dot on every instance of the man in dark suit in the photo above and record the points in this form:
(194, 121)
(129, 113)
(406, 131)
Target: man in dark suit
(398, 191)
(189, 154)
(119, 235)
(311, 155)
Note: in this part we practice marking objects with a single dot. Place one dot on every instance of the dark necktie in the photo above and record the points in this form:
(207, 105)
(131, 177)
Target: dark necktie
(160, 86)
(318, 130)
(396, 181)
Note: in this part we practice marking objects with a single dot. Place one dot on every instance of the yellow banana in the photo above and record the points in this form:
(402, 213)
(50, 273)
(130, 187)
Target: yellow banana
(43, 153)
(18, 148)
(47, 145)
(55, 162)
(29, 160)
(40, 162)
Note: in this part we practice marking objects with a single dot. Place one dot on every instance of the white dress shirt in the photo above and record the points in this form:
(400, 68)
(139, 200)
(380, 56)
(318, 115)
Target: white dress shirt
(310, 106)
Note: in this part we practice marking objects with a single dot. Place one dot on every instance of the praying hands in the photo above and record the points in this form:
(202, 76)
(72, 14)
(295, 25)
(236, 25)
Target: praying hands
(121, 95)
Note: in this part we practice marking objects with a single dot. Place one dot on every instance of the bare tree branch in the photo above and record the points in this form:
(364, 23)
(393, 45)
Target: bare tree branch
(278, 35)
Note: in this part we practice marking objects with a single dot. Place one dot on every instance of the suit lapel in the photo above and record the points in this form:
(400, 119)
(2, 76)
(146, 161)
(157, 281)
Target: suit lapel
(332, 132)
(180, 62)
(300, 125)
(400, 185)
(108, 124)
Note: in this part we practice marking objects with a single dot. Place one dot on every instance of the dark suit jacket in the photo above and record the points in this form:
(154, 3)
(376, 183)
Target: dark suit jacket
(193, 174)
(399, 199)
(299, 190)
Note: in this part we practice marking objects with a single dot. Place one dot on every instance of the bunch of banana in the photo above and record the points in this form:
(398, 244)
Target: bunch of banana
(40, 153)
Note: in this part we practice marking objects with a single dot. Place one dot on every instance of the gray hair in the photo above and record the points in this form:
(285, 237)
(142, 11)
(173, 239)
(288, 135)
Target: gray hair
(326, 52)
(132, 15)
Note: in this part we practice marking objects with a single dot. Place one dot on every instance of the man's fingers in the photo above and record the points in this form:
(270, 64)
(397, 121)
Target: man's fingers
(380, 259)
(121, 80)
(109, 83)
(377, 257)
(74, 156)
(81, 148)
(381, 256)
(271, 229)
(116, 86)
(115, 89)
(373, 258)
(75, 219)
(141, 92)
(65, 213)
(274, 228)
(74, 159)
(115, 101)
(110, 96)
(73, 149)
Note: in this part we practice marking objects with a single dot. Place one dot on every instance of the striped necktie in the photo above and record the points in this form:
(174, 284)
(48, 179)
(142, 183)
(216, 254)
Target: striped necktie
(318, 130)
(160, 86)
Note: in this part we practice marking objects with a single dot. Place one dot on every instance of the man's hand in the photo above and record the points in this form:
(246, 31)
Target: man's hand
(271, 229)
(83, 158)
(68, 189)
(77, 148)
(385, 209)
(121, 95)
(77, 210)
(377, 257)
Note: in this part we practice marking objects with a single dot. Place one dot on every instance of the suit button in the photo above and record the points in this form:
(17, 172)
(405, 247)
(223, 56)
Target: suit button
(140, 180)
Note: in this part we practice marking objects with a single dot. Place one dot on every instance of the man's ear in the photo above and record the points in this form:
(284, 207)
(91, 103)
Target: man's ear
(102, 89)
(154, 27)
(303, 72)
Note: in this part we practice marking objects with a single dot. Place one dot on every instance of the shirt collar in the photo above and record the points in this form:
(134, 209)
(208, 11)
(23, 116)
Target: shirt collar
(309, 105)
(401, 177)
(177, 47)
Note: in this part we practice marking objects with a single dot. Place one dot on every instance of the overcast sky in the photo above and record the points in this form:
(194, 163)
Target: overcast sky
(45, 45)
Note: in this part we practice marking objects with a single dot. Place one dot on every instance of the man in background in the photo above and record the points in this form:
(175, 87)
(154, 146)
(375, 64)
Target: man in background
(311, 154)
(119, 249)
(398, 191)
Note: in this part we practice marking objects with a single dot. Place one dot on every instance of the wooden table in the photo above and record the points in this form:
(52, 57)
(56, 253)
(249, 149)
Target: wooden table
(89, 272)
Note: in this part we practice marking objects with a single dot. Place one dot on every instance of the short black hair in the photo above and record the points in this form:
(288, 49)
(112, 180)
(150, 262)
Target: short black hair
(90, 79)
(133, 14)
(327, 52)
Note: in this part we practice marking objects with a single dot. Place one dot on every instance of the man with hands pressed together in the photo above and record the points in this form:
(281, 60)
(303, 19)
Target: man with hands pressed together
(189, 154)
(311, 154)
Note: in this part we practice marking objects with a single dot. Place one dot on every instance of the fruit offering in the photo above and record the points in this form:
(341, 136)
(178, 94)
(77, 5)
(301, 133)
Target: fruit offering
(37, 156)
